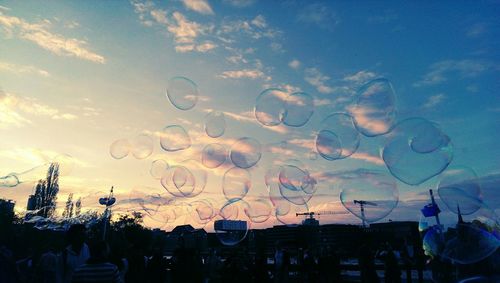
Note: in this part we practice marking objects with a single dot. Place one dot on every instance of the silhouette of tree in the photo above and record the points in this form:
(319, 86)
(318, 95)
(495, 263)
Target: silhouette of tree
(46, 192)
(68, 209)
(78, 206)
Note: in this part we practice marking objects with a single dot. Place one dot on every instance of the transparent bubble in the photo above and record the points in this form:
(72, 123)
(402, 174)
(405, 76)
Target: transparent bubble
(158, 168)
(120, 148)
(258, 210)
(236, 183)
(142, 146)
(313, 155)
(337, 138)
(299, 107)
(270, 106)
(427, 137)
(368, 195)
(286, 212)
(245, 152)
(9, 181)
(234, 225)
(459, 188)
(188, 179)
(174, 138)
(295, 183)
(182, 93)
(202, 211)
(215, 124)
(66, 164)
(406, 164)
(375, 110)
(213, 155)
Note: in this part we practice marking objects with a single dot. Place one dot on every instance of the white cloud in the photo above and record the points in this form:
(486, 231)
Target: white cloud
(206, 46)
(239, 3)
(440, 71)
(259, 21)
(23, 69)
(40, 35)
(245, 73)
(318, 14)
(434, 100)
(184, 31)
(294, 64)
(200, 6)
(360, 77)
(203, 48)
(318, 80)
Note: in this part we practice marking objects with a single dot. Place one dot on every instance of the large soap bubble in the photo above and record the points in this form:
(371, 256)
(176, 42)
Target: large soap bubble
(459, 188)
(213, 155)
(368, 195)
(258, 210)
(188, 179)
(270, 106)
(299, 107)
(174, 138)
(337, 137)
(286, 212)
(202, 211)
(246, 152)
(409, 165)
(295, 183)
(182, 93)
(120, 148)
(236, 183)
(158, 168)
(142, 146)
(234, 225)
(375, 110)
(215, 124)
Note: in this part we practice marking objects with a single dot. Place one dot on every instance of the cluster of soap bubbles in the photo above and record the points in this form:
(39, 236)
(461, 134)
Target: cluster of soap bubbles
(140, 146)
(275, 106)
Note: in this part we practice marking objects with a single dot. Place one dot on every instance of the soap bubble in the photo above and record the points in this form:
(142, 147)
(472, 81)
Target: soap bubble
(245, 152)
(158, 168)
(258, 210)
(459, 188)
(174, 138)
(270, 106)
(299, 107)
(119, 149)
(295, 183)
(368, 195)
(410, 166)
(233, 227)
(188, 179)
(375, 110)
(142, 146)
(337, 138)
(215, 124)
(213, 155)
(182, 93)
(9, 181)
(202, 211)
(286, 212)
(236, 183)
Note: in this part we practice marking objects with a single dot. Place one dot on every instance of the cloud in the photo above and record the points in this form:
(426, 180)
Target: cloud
(368, 158)
(318, 14)
(202, 48)
(294, 64)
(434, 100)
(239, 3)
(360, 77)
(184, 31)
(440, 71)
(256, 28)
(318, 80)
(370, 119)
(39, 34)
(200, 6)
(241, 74)
(23, 69)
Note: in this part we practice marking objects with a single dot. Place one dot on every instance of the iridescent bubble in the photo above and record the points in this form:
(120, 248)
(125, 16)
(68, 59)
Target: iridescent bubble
(337, 138)
(215, 124)
(270, 106)
(233, 227)
(120, 148)
(286, 212)
(142, 146)
(158, 168)
(178, 181)
(258, 210)
(296, 184)
(174, 138)
(368, 195)
(245, 152)
(410, 166)
(427, 137)
(9, 181)
(202, 211)
(459, 188)
(236, 183)
(299, 107)
(213, 155)
(182, 93)
(375, 110)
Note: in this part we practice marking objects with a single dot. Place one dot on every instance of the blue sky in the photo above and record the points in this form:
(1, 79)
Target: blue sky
(90, 73)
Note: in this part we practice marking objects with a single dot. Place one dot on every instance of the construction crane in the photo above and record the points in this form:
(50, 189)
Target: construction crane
(312, 221)
(362, 204)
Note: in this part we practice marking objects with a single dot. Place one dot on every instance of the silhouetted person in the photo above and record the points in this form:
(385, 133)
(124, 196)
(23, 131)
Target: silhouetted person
(137, 261)
(367, 265)
(76, 253)
(47, 268)
(392, 271)
(98, 269)
(281, 264)
(187, 266)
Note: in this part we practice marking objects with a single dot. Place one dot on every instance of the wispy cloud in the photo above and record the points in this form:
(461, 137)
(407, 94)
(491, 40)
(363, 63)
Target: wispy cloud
(360, 77)
(200, 6)
(239, 3)
(242, 74)
(434, 100)
(23, 69)
(367, 157)
(315, 78)
(439, 71)
(294, 64)
(320, 15)
(202, 48)
(39, 34)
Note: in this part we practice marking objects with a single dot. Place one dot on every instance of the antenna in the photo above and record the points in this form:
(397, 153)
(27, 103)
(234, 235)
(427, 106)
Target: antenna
(362, 204)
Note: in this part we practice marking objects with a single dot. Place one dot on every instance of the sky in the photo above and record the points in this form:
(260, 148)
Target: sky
(76, 76)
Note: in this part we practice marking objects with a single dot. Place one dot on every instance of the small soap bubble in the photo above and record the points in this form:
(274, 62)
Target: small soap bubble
(174, 138)
(270, 106)
(213, 155)
(120, 148)
(236, 183)
(158, 168)
(215, 124)
(299, 107)
(142, 146)
(337, 137)
(182, 93)
(246, 152)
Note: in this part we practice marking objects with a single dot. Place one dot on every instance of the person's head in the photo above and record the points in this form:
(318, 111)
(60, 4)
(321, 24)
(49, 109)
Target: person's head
(99, 250)
(76, 234)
